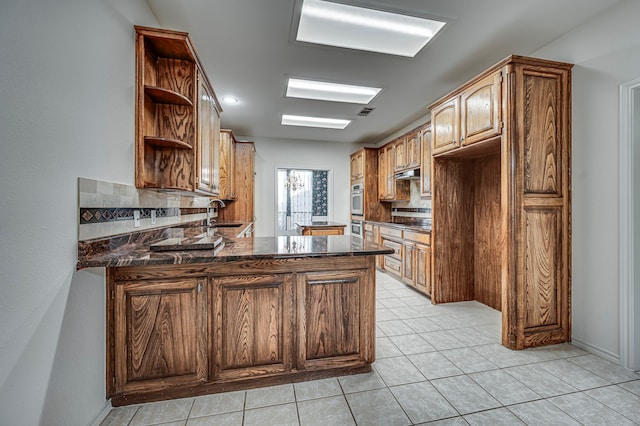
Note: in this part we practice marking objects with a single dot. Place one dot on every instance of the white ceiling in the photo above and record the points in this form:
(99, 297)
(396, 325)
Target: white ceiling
(248, 49)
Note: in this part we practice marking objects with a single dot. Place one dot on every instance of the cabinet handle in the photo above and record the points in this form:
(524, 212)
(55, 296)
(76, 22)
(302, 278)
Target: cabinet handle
(199, 287)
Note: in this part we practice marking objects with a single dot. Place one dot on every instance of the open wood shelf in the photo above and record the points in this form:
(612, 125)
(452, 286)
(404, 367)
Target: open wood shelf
(166, 142)
(161, 95)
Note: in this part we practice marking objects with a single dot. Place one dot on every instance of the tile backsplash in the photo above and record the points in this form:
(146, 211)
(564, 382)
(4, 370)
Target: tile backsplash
(107, 209)
(416, 208)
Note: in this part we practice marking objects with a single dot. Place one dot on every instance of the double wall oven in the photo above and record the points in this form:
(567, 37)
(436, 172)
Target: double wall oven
(357, 209)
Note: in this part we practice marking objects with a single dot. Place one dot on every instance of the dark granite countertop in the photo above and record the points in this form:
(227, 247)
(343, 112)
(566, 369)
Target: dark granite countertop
(133, 249)
(407, 226)
(319, 224)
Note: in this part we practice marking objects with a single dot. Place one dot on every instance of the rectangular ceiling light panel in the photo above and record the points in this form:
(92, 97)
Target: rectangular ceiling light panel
(327, 123)
(341, 25)
(310, 89)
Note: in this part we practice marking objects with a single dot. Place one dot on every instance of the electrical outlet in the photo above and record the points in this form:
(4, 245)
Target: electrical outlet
(179, 215)
(153, 217)
(136, 218)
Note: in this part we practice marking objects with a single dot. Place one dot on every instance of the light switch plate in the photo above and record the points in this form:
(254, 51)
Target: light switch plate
(136, 218)
(153, 217)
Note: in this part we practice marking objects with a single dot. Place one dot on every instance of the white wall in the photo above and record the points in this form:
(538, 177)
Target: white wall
(272, 154)
(606, 53)
(636, 224)
(66, 110)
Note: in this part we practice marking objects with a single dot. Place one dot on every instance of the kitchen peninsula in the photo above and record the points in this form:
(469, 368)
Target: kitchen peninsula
(251, 312)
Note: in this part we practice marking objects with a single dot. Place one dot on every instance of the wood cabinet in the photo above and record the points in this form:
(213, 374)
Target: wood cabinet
(472, 116)
(322, 230)
(417, 260)
(424, 136)
(183, 330)
(330, 319)
(208, 141)
(160, 335)
(357, 166)
(227, 165)
(501, 202)
(242, 208)
(177, 115)
(392, 238)
(407, 152)
(366, 160)
(252, 325)
(393, 190)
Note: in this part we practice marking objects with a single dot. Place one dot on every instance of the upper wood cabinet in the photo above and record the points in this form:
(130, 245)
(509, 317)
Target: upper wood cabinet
(481, 109)
(474, 115)
(445, 121)
(399, 154)
(357, 166)
(424, 137)
(208, 141)
(177, 115)
(227, 165)
(391, 189)
(412, 150)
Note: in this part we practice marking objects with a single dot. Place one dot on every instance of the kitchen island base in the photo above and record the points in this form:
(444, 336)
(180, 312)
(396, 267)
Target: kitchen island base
(183, 330)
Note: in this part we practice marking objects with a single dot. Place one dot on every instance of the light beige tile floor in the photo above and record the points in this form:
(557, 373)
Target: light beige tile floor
(441, 364)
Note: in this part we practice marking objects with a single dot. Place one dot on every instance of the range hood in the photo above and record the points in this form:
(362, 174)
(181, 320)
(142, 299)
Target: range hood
(408, 174)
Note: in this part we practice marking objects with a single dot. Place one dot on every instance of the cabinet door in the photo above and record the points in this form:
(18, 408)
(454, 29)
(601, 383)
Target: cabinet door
(252, 317)
(207, 179)
(357, 165)
(382, 174)
(333, 308)
(425, 165)
(400, 155)
(408, 263)
(160, 334)
(227, 165)
(412, 151)
(423, 268)
(481, 113)
(445, 122)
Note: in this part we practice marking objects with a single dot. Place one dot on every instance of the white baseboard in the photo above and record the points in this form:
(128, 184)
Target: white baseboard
(103, 414)
(602, 353)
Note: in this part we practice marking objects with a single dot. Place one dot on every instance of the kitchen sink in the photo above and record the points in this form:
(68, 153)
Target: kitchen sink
(225, 225)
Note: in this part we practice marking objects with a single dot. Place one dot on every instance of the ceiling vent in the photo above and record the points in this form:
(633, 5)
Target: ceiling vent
(365, 111)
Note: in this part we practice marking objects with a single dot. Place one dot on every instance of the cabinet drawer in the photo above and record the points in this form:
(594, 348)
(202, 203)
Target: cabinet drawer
(396, 247)
(393, 233)
(418, 237)
(393, 265)
(368, 227)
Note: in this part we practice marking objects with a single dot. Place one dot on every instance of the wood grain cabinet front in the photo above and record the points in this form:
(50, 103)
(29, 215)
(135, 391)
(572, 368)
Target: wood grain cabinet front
(227, 165)
(182, 330)
(252, 325)
(160, 334)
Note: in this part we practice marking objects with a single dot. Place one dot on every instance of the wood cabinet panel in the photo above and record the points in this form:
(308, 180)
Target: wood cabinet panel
(227, 165)
(160, 334)
(481, 110)
(425, 164)
(422, 277)
(542, 270)
(413, 149)
(542, 139)
(445, 126)
(332, 314)
(253, 325)
(242, 208)
(400, 154)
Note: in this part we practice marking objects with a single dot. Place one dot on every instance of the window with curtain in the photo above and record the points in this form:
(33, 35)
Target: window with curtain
(303, 196)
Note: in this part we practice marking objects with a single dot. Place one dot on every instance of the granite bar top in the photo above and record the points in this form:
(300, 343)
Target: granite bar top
(409, 226)
(133, 250)
(320, 224)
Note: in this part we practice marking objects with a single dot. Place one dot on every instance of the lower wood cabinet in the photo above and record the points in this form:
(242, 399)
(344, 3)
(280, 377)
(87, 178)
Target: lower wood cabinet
(252, 325)
(184, 330)
(160, 333)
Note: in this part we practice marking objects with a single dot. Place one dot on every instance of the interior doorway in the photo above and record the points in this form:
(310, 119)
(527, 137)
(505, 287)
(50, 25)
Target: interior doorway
(629, 233)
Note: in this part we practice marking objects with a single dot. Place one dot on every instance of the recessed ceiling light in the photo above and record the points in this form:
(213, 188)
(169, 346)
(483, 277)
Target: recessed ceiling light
(310, 89)
(342, 25)
(229, 100)
(328, 123)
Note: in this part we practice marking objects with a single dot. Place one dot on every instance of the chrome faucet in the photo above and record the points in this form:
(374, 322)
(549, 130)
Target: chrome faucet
(209, 219)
